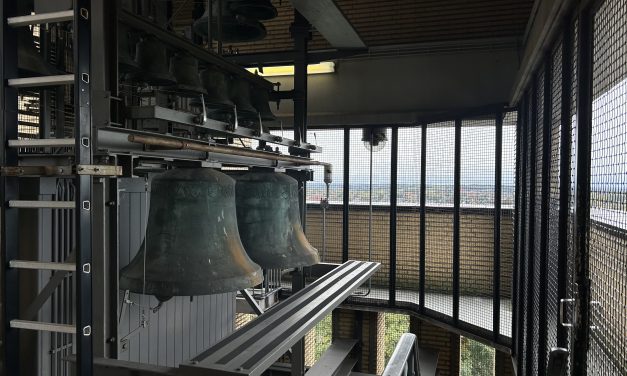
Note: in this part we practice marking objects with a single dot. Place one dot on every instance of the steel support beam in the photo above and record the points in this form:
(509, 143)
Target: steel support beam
(456, 217)
(423, 217)
(496, 275)
(393, 215)
(345, 195)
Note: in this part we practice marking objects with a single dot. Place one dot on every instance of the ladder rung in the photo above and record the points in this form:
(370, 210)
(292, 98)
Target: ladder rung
(42, 265)
(43, 326)
(59, 79)
(42, 143)
(41, 18)
(38, 204)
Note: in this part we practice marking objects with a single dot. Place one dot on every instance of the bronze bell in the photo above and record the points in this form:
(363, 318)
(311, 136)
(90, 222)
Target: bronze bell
(268, 217)
(240, 94)
(260, 99)
(216, 82)
(184, 68)
(192, 245)
(236, 28)
(152, 60)
(29, 60)
(256, 9)
(126, 50)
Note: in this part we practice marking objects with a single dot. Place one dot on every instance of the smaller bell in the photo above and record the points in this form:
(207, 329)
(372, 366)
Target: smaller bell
(216, 82)
(260, 99)
(268, 218)
(29, 60)
(262, 10)
(126, 50)
(184, 68)
(236, 28)
(240, 94)
(152, 60)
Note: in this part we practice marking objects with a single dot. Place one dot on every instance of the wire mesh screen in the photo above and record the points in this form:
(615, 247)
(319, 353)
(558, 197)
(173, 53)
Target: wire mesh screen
(324, 222)
(537, 237)
(607, 354)
(477, 222)
(369, 240)
(439, 219)
(508, 181)
(408, 217)
(552, 298)
(570, 253)
(528, 237)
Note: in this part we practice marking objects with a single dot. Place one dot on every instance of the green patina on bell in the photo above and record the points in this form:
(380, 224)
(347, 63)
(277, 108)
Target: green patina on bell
(192, 244)
(269, 221)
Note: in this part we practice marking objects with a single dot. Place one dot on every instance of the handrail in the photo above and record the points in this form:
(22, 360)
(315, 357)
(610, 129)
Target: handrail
(404, 360)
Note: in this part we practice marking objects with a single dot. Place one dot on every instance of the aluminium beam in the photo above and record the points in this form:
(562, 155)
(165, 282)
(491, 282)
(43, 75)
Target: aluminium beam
(254, 348)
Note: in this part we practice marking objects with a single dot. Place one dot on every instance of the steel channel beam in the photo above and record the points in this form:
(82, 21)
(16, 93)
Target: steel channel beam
(42, 18)
(393, 214)
(496, 275)
(26, 82)
(83, 155)
(345, 195)
(333, 358)
(251, 350)
(423, 217)
(42, 265)
(582, 191)
(43, 326)
(456, 217)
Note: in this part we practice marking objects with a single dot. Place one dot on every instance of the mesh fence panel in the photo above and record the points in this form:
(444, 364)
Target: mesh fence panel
(552, 298)
(408, 218)
(607, 354)
(537, 284)
(570, 253)
(508, 180)
(325, 231)
(439, 218)
(359, 195)
(528, 237)
(477, 222)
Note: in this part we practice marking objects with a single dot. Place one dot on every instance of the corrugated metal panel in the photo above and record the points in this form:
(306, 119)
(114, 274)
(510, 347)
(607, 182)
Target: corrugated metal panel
(392, 22)
(184, 326)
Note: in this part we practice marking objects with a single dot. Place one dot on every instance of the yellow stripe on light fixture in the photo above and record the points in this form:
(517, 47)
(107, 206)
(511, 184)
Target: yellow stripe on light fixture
(288, 70)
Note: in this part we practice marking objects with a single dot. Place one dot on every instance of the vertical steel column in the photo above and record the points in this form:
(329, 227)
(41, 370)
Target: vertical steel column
(456, 216)
(423, 216)
(517, 233)
(10, 191)
(345, 194)
(496, 276)
(393, 213)
(301, 35)
(544, 215)
(565, 160)
(84, 155)
(522, 250)
(533, 117)
(114, 265)
(582, 191)
(300, 30)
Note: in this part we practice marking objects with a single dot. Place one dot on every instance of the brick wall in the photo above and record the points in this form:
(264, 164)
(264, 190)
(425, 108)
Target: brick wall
(476, 247)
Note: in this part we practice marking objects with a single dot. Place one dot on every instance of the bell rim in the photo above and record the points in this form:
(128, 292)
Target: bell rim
(165, 288)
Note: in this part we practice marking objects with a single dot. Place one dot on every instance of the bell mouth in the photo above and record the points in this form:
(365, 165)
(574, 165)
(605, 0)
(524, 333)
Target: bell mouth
(153, 79)
(164, 290)
(262, 11)
(235, 29)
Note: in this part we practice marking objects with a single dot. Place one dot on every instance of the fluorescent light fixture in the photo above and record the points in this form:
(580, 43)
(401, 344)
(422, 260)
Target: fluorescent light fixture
(288, 70)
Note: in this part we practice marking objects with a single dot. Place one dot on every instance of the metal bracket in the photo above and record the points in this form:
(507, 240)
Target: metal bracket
(99, 170)
(562, 315)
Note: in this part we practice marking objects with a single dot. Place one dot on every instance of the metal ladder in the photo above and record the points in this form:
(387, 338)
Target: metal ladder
(12, 173)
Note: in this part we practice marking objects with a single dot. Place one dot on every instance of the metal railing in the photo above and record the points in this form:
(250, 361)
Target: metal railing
(404, 360)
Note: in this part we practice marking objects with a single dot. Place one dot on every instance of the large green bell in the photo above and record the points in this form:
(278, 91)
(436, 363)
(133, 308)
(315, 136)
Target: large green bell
(269, 221)
(192, 245)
